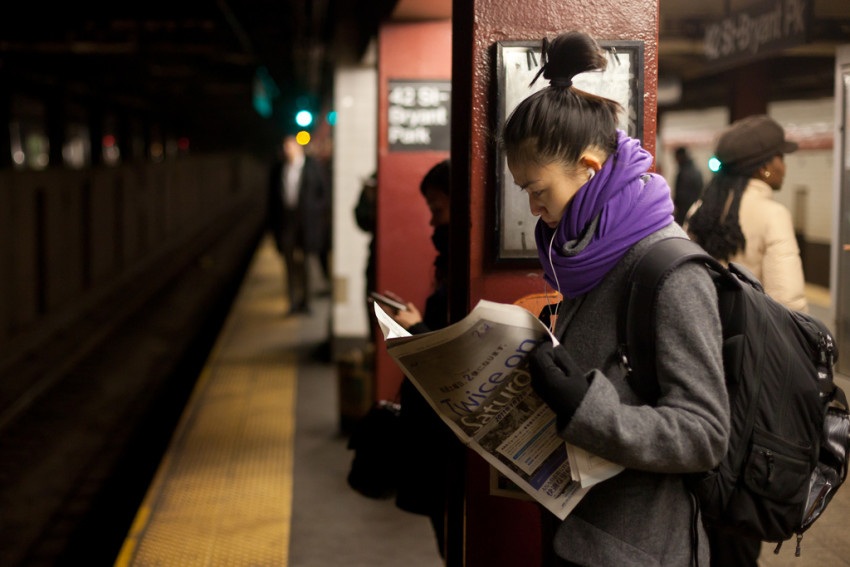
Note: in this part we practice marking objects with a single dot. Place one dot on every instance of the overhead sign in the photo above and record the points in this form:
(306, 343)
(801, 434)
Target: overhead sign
(760, 29)
(419, 114)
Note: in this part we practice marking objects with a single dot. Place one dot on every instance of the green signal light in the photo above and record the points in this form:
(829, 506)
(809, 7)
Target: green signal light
(714, 164)
(304, 118)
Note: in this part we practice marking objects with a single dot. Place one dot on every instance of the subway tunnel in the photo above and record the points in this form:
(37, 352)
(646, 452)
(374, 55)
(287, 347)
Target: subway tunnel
(134, 183)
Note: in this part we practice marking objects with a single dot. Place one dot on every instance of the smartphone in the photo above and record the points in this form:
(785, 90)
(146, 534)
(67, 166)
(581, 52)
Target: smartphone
(387, 301)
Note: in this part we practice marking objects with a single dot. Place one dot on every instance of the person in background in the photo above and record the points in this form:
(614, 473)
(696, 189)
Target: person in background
(435, 189)
(299, 196)
(688, 184)
(599, 208)
(364, 216)
(423, 485)
(738, 220)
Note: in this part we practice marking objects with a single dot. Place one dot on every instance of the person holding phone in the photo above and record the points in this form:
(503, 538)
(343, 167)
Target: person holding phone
(386, 301)
(435, 189)
(423, 485)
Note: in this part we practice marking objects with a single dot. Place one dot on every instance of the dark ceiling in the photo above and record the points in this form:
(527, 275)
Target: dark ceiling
(194, 64)
(189, 64)
(804, 70)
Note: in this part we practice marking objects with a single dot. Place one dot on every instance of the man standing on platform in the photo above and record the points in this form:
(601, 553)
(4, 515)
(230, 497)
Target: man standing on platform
(298, 198)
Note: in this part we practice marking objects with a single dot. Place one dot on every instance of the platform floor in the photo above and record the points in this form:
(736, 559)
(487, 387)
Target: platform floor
(255, 473)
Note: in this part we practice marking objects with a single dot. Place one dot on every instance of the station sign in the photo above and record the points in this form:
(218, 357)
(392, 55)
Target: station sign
(418, 116)
(761, 29)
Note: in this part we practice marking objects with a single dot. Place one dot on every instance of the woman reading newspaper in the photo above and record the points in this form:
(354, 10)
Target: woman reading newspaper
(598, 208)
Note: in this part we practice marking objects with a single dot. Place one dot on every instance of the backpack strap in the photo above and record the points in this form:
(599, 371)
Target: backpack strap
(637, 313)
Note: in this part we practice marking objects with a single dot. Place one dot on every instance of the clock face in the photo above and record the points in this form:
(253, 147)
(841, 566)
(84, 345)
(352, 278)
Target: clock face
(621, 81)
(521, 65)
(517, 234)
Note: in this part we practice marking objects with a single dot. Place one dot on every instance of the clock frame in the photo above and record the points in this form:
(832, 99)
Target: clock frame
(517, 62)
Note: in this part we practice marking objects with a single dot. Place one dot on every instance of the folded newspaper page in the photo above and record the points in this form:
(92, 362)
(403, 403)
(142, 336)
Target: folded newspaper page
(474, 374)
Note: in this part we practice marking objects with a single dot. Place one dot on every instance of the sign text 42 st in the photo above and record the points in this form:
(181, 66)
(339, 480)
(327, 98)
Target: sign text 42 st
(419, 114)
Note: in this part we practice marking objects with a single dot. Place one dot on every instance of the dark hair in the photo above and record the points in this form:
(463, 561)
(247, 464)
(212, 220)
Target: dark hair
(715, 225)
(438, 177)
(559, 122)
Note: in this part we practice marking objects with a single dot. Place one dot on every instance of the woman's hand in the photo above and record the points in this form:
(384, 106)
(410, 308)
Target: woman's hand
(557, 379)
(407, 318)
(404, 318)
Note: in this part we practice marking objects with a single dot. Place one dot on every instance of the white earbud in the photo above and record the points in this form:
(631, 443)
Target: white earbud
(590, 173)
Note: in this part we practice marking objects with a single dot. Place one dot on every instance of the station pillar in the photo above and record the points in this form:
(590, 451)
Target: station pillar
(749, 87)
(414, 63)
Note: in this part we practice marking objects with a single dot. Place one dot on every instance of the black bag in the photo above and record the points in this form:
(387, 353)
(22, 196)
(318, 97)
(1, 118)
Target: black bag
(375, 441)
(789, 432)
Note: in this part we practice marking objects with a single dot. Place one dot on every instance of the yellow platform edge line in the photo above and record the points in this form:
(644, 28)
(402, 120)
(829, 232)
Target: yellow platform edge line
(289, 454)
(146, 512)
(142, 518)
(140, 521)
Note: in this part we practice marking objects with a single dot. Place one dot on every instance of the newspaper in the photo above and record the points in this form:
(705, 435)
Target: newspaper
(473, 373)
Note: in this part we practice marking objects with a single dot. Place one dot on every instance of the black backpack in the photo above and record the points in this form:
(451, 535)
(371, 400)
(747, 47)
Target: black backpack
(375, 440)
(789, 434)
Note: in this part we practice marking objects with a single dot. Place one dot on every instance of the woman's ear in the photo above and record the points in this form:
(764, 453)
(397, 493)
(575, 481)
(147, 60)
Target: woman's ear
(590, 161)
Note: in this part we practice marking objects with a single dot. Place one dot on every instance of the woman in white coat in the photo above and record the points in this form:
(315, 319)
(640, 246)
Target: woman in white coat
(738, 221)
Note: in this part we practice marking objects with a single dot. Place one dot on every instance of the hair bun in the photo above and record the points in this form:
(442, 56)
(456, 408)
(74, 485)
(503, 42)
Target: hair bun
(568, 55)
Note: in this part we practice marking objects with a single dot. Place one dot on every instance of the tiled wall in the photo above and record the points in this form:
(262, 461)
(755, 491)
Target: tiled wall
(355, 158)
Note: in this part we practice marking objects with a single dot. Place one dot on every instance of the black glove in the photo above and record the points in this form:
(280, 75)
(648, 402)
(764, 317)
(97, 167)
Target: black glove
(557, 379)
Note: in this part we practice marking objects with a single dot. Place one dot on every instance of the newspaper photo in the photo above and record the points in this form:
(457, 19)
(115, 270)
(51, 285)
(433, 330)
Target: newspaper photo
(474, 375)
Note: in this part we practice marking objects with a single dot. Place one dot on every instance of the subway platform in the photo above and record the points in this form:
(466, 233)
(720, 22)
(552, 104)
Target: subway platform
(255, 471)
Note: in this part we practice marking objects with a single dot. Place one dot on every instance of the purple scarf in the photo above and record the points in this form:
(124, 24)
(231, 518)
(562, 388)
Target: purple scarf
(627, 208)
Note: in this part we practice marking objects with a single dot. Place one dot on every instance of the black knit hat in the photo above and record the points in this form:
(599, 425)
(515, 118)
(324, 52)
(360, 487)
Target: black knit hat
(752, 141)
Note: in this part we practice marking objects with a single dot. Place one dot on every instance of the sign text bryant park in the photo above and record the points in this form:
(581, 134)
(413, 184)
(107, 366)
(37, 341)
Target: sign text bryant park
(418, 114)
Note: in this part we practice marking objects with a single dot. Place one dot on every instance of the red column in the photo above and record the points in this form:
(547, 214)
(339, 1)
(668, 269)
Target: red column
(405, 253)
